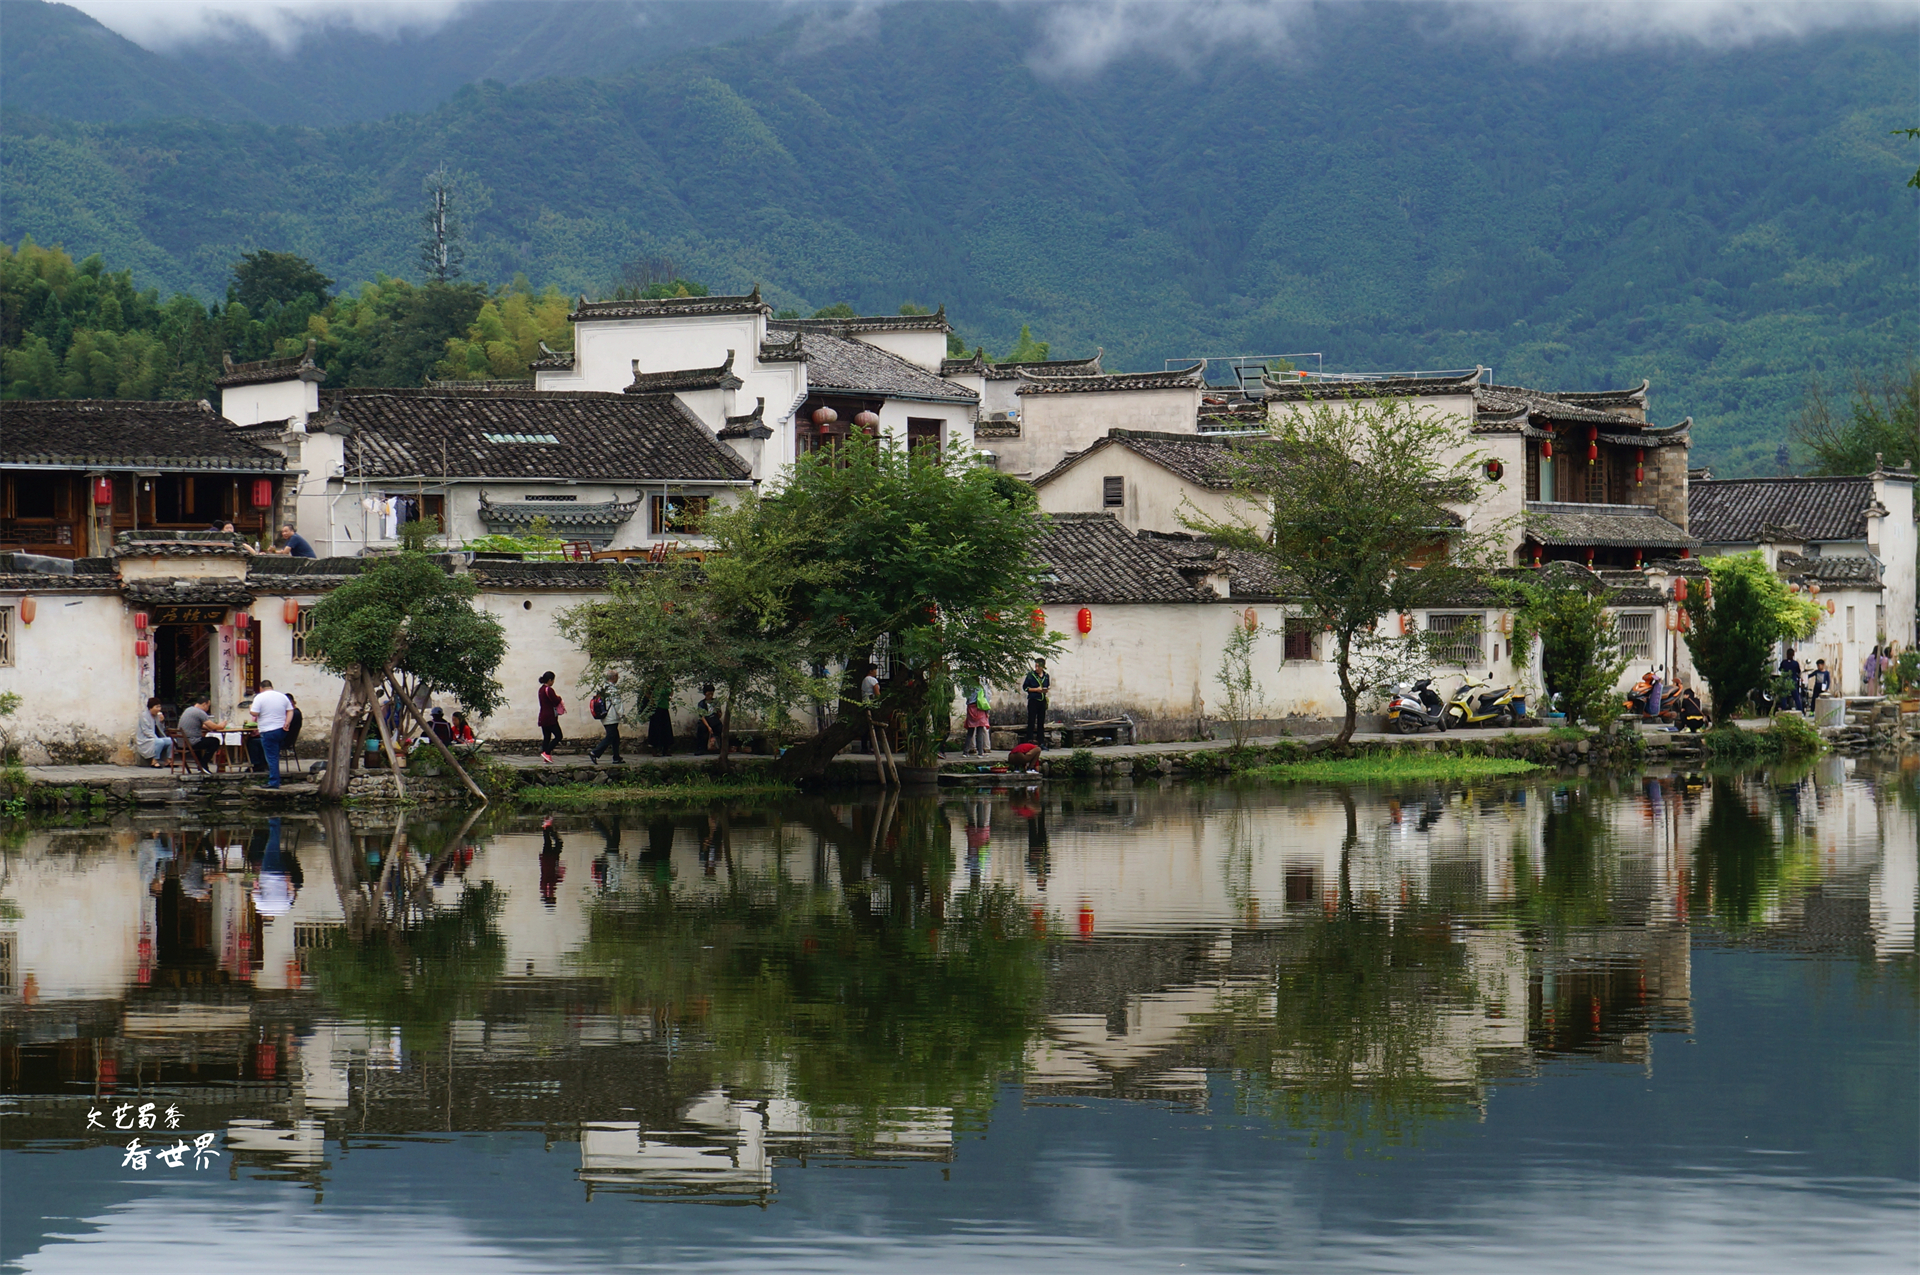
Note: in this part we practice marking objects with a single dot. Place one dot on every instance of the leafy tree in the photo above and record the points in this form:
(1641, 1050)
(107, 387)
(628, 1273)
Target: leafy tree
(403, 626)
(265, 279)
(1241, 698)
(1580, 659)
(1735, 623)
(1026, 349)
(838, 310)
(865, 540)
(506, 335)
(1349, 502)
(1881, 423)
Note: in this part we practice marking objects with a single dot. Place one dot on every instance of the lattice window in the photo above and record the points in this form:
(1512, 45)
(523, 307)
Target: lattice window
(1113, 492)
(302, 627)
(6, 637)
(1462, 632)
(882, 656)
(1636, 635)
(1299, 637)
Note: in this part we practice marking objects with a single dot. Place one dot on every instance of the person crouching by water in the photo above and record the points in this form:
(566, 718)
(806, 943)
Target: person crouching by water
(150, 738)
(551, 706)
(706, 728)
(660, 722)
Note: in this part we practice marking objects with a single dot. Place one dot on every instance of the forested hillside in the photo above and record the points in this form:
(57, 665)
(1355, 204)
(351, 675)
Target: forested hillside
(1723, 224)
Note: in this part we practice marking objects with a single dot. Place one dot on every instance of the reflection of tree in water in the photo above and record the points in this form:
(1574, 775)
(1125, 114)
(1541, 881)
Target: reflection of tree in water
(1575, 883)
(1736, 861)
(880, 995)
(402, 960)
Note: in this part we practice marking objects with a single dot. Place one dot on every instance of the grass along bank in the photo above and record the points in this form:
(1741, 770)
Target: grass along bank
(594, 796)
(1389, 766)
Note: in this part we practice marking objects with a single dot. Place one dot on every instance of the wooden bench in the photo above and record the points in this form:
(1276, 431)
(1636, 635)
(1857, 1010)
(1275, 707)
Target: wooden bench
(1113, 730)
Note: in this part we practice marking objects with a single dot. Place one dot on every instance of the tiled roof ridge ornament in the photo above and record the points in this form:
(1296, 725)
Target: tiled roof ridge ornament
(686, 379)
(759, 411)
(1300, 387)
(1170, 379)
(263, 371)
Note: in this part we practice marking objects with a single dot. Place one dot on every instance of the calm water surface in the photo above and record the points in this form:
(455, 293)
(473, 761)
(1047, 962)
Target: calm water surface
(1584, 1025)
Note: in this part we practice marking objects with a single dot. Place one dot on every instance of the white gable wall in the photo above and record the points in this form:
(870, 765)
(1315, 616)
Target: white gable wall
(1053, 426)
(1155, 495)
(292, 399)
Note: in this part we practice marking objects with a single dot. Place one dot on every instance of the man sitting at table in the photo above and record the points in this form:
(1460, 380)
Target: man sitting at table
(194, 722)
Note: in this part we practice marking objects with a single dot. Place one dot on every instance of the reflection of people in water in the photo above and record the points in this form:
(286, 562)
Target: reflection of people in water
(606, 866)
(156, 852)
(979, 837)
(712, 847)
(1039, 849)
(552, 871)
(279, 880)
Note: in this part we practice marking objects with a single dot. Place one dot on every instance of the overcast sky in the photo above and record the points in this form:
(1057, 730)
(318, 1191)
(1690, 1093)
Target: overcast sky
(1086, 34)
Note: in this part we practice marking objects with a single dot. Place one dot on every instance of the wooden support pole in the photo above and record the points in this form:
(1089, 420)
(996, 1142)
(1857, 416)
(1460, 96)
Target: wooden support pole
(386, 737)
(426, 728)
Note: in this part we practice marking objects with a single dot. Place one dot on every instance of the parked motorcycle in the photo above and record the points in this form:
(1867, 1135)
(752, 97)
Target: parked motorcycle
(1482, 704)
(1415, 707)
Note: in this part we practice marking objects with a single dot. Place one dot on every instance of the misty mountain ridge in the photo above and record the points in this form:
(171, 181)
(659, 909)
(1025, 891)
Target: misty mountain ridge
(1722, 223)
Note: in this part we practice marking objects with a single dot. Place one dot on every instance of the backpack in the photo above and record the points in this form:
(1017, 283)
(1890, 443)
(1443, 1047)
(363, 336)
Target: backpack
(597, 706)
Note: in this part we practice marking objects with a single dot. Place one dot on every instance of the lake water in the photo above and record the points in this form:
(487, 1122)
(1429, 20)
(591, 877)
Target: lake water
(1599, 1024)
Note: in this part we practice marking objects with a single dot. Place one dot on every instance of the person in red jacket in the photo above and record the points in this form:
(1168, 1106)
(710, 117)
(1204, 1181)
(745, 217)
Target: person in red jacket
(551, 706)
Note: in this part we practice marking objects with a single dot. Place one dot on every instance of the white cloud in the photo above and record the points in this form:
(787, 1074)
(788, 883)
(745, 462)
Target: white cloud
(165, 24)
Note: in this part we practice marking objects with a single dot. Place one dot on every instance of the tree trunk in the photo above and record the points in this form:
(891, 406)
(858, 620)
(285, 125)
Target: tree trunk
(1348, 695)
(426, 728)
(347, 718)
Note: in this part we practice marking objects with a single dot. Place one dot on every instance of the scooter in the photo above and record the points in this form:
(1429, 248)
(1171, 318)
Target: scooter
(1479, 704)
(1416, 706)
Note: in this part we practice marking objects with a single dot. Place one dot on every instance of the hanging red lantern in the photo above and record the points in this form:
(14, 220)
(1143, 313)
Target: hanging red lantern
(993, 617)
(1589, 559)
(1680, 589)
(867, 420)
(103, 490)
(1640, 467)
(1495, 471)
(1593, 444)
(1038, 620)
(1250, 620)
(140, 621)
(1829, 606)
(290, 611)
(27, 609)
(241, 646)
(1536, 555)
(262, 493)
(1636, 559)
(1406, 624)
(1546, 445)
(1686, 622)
(1084, 621)
(140, 648)
(824, 416)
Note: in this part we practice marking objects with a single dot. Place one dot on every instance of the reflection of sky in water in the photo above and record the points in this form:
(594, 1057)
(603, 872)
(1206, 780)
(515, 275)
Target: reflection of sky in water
(1638, 1028)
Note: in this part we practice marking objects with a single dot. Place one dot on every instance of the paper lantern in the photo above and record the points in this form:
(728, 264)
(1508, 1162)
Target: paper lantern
(1640, 467)
(140, 648)
(1589, 559)
(1706, 590)
(290, 611)
(103, 490)
(241, 646)
(140, 621)
(1536, 555)
(262, 493)
(1829, 606)
(1636, 559)
(824, 416)
(27, 609)
(1546, 445)
(1593, 444)
(1495, 471)
(993, 617)
(866, 420)
(1084, 620)
(1406, 624)
(1680, 589)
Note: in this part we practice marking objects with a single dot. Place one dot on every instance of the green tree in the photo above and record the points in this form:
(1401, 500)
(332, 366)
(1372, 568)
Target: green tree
(863, 541)
(1026, 349)
(1880, 425)
(1580, 659)
(838, 310)
(507, 334)
(1736, 621)
(402, 626)
(265, 279)
(1348, 501)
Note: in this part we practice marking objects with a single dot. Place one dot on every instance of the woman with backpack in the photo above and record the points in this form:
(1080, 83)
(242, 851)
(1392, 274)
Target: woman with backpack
(551, 707)
(606, 707)
(979, 723)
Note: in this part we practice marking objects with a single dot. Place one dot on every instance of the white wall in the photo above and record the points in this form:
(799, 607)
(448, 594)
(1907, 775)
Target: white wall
(293, 400)
(923, 348)
(1897, 536)
(1155, 496)
(1053, 425)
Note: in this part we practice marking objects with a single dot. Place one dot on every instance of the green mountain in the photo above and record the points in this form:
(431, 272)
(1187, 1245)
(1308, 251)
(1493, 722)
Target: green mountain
(1394, 196)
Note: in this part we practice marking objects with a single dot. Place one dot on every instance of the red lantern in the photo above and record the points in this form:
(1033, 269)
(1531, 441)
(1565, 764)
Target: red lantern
(1495, 471)
(1589, 559)
(1593, 445)
(993, 617)
(140, 648)
(1546, 445)
(1084, 621)
(1636, 559)
(824, 416)
(1680, 589)
(1640, 467)
(290, 611)
(1038, 620)
(140, 621)
(103, 490)
(1250, 620)
(241, 646)
(27, 609)
(262, 493)
(1536, 555)
(866, 420)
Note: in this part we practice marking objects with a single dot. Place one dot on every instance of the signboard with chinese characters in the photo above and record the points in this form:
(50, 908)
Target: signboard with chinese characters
(185, 614)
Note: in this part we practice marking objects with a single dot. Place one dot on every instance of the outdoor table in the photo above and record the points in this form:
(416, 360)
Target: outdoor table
(246, 740)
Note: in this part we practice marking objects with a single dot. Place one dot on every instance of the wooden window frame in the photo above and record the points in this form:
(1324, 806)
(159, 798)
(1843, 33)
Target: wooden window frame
(1297, 637)
(1113, 492)
(298, 634)
(6, 637)
(658, 524)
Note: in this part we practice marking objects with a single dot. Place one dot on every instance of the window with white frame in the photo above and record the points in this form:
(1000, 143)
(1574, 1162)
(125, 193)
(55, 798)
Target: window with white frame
(1636, 634)
(6, 637)
(1460, 644)
(303, 627)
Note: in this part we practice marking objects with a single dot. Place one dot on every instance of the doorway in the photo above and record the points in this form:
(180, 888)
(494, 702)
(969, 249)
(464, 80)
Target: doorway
(182, 665)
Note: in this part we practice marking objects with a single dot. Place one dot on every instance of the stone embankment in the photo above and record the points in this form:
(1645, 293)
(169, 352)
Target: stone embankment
(1873, 726)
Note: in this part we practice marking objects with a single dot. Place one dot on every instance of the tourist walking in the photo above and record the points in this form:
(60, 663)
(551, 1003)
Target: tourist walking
(150, 738)
(979, 723)
(1038, 686)
(660, 723)
(272, 711)
(608, 701)
(551, 709)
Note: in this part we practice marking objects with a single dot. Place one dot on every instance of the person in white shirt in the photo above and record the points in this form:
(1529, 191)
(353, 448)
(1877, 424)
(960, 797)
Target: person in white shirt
(271, 709)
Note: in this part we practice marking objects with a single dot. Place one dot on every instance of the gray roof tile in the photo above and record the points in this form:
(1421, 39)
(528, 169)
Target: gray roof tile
(1741, 510)
(854, 367)
(78, 432)
(1628, 526)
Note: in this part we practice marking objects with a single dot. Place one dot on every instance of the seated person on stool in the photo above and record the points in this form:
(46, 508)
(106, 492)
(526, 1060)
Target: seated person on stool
(195, 724)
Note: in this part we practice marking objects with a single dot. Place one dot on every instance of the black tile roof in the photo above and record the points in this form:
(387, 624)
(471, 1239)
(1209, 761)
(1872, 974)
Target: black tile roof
(752, 425)
(511, 384)
(935, 322)
(1095, 559)
(1839, 568)
(562, 574)
(669, 307)
(686, 380)
(854, 367)
(298, 367)
(1198, 458)
(1749, 510)
(1298, 389)
(618, 438)
(552, 360)
(159, 591)
(1110, 382)
(979, 365)
(80, 433)
(1614, 408)
(1625, 526)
